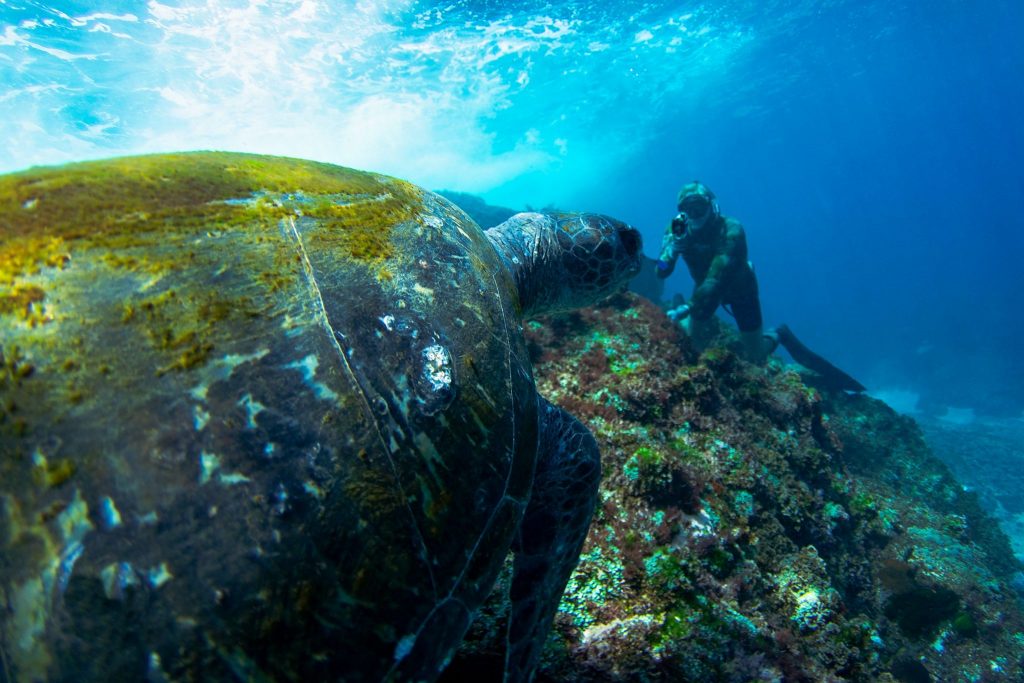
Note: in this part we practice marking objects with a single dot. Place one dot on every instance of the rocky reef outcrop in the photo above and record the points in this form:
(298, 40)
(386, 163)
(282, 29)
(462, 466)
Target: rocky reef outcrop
(753, 529)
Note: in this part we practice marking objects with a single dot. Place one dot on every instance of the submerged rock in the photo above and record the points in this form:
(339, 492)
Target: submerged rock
(753, 529)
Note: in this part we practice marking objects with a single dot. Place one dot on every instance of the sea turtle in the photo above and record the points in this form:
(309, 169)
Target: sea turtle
(264, 418)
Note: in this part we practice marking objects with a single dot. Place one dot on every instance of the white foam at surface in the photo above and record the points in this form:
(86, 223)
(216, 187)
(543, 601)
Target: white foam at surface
(459, 96)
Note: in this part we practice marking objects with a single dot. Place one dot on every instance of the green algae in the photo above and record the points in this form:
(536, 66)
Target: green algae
(21, 300)
(132, 232)
(610, 399)
(52, 474)
(864, 504)
(647, 463)
(362, 229)
(121, 195)
(771, 567)
(743, 503)
(623, 357)
(117, 204)
(14, 366)
(595, 581)
(28, 254)
(667, 570)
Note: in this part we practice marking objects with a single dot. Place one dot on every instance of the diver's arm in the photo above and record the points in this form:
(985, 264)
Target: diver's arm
(670, 249)
(708, 294)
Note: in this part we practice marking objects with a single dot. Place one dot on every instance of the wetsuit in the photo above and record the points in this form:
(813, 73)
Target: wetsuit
(716, 256)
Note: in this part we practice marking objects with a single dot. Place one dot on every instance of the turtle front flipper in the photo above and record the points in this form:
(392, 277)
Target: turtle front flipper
(551, 535)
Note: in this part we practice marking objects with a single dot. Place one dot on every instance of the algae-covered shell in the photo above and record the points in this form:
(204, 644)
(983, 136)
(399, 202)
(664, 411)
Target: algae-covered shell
(258, 416)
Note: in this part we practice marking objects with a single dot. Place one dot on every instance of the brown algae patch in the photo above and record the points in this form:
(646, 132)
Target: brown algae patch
(26, 256)
(182, 328)
(52, 474)
(24, 301)
(186, 249)
(361, 229)
(47, 213)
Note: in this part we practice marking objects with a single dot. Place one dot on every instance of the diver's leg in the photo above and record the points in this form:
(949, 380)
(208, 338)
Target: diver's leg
(746, 307)
(754, 345)
(552, 533)
(831, 377)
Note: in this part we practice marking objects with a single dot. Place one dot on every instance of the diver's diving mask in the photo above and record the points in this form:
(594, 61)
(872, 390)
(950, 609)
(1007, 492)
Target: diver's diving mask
(696, 207)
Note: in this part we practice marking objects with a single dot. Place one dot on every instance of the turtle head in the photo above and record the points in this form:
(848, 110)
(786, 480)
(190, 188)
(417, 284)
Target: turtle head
(562, 261)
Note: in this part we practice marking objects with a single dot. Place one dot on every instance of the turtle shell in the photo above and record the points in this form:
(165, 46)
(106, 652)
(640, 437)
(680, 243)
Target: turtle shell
(258, 416)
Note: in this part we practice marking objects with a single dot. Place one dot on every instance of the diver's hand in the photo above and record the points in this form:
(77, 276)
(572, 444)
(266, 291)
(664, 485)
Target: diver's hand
(677, 234)
(671, 247)
(667, 263)
(679, 313)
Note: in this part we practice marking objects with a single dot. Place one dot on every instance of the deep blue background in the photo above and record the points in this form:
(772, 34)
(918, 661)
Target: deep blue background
(881, 189)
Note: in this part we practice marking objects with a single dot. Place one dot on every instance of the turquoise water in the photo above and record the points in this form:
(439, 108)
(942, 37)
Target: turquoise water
(872, 149)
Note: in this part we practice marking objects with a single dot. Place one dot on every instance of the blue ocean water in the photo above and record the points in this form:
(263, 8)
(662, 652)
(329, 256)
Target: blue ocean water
(872, 148)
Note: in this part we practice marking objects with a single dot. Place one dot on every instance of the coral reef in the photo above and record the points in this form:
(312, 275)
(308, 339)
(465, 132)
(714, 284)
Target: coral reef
(754, 529)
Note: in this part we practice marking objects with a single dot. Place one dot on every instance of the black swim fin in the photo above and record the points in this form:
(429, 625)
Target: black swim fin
(830, 377)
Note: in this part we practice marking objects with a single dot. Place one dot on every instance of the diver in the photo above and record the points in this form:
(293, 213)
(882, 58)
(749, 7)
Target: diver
(714, 248)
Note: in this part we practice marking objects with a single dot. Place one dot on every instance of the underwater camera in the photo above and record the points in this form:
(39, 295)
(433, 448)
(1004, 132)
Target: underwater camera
(679, 225)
